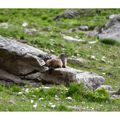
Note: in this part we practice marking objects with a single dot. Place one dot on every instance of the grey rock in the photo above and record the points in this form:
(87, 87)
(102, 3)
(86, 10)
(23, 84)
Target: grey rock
(83, 28)
(10, 78)
(75, 108)
(4, 25)
(30, 31)
(72, 39)
(77, 61)
(111, 30)
(67, 14)
(72, 13)
(18, 58)
(67, 75)
(79, 28)
(107, 87)
(113, 16)
(23, 64)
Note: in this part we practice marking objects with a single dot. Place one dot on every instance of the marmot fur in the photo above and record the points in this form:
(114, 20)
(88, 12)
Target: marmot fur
(60, 62)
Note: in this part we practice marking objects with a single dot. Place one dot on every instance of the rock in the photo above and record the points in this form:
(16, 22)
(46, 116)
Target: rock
(83, 28)
(107, 87)
(92, 33)
(71, 39)
(30, 31)
(67, 75)
(4, 25)
(79, 28)
(75, 108)
(18, 58)
(77, 61)
(10, 78)
(67, 14)
(72, 13)
(113, 16)
(111, 30)
(24, 64)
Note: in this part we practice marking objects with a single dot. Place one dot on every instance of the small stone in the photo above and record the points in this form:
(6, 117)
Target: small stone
(56, 98)
(30, 31)
(72, 39)
(113, 16)
(92, 42)
(4, 25)
(103, 59)
(12, 101)
(84, 28)
(68, 98)
(106, 87)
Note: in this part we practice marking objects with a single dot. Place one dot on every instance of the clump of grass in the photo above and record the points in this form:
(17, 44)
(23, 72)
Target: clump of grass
(15, 88)
(100, 95)
(63, 107)
(76, 91)
(109, 41)
(80, 92)
(44, 17)
(36, 93)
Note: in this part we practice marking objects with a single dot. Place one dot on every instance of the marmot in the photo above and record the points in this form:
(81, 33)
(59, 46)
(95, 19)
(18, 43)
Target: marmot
(60, 62)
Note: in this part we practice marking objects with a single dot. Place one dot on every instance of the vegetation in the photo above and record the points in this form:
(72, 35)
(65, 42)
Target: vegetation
(38, 28)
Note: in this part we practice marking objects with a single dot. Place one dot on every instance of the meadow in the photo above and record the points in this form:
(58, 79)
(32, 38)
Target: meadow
(38, 28)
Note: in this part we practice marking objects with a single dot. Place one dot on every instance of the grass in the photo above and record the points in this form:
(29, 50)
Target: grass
(48, 38)
(56, 98)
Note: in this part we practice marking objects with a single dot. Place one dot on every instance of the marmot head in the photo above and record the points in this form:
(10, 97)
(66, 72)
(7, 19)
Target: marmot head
(63, 56)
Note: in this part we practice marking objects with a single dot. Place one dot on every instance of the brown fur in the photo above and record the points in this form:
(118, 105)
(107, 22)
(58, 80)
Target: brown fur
(57, 63)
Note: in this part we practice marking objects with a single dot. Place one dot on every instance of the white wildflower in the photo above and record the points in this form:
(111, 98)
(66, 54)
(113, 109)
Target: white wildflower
(27, 90)
(31, 101)
(24, 24)
(41, 99)
(52, 105)
(45, 87)
(20, 93)
(103, 73)
(93, 57)
(35, 105)
(68, 98)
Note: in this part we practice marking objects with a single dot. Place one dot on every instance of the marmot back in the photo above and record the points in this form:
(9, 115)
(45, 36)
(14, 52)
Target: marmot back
(54, 63)
(60, 62)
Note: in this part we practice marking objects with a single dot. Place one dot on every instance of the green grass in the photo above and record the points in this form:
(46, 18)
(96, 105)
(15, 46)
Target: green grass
(56, 98)
(48, 38)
